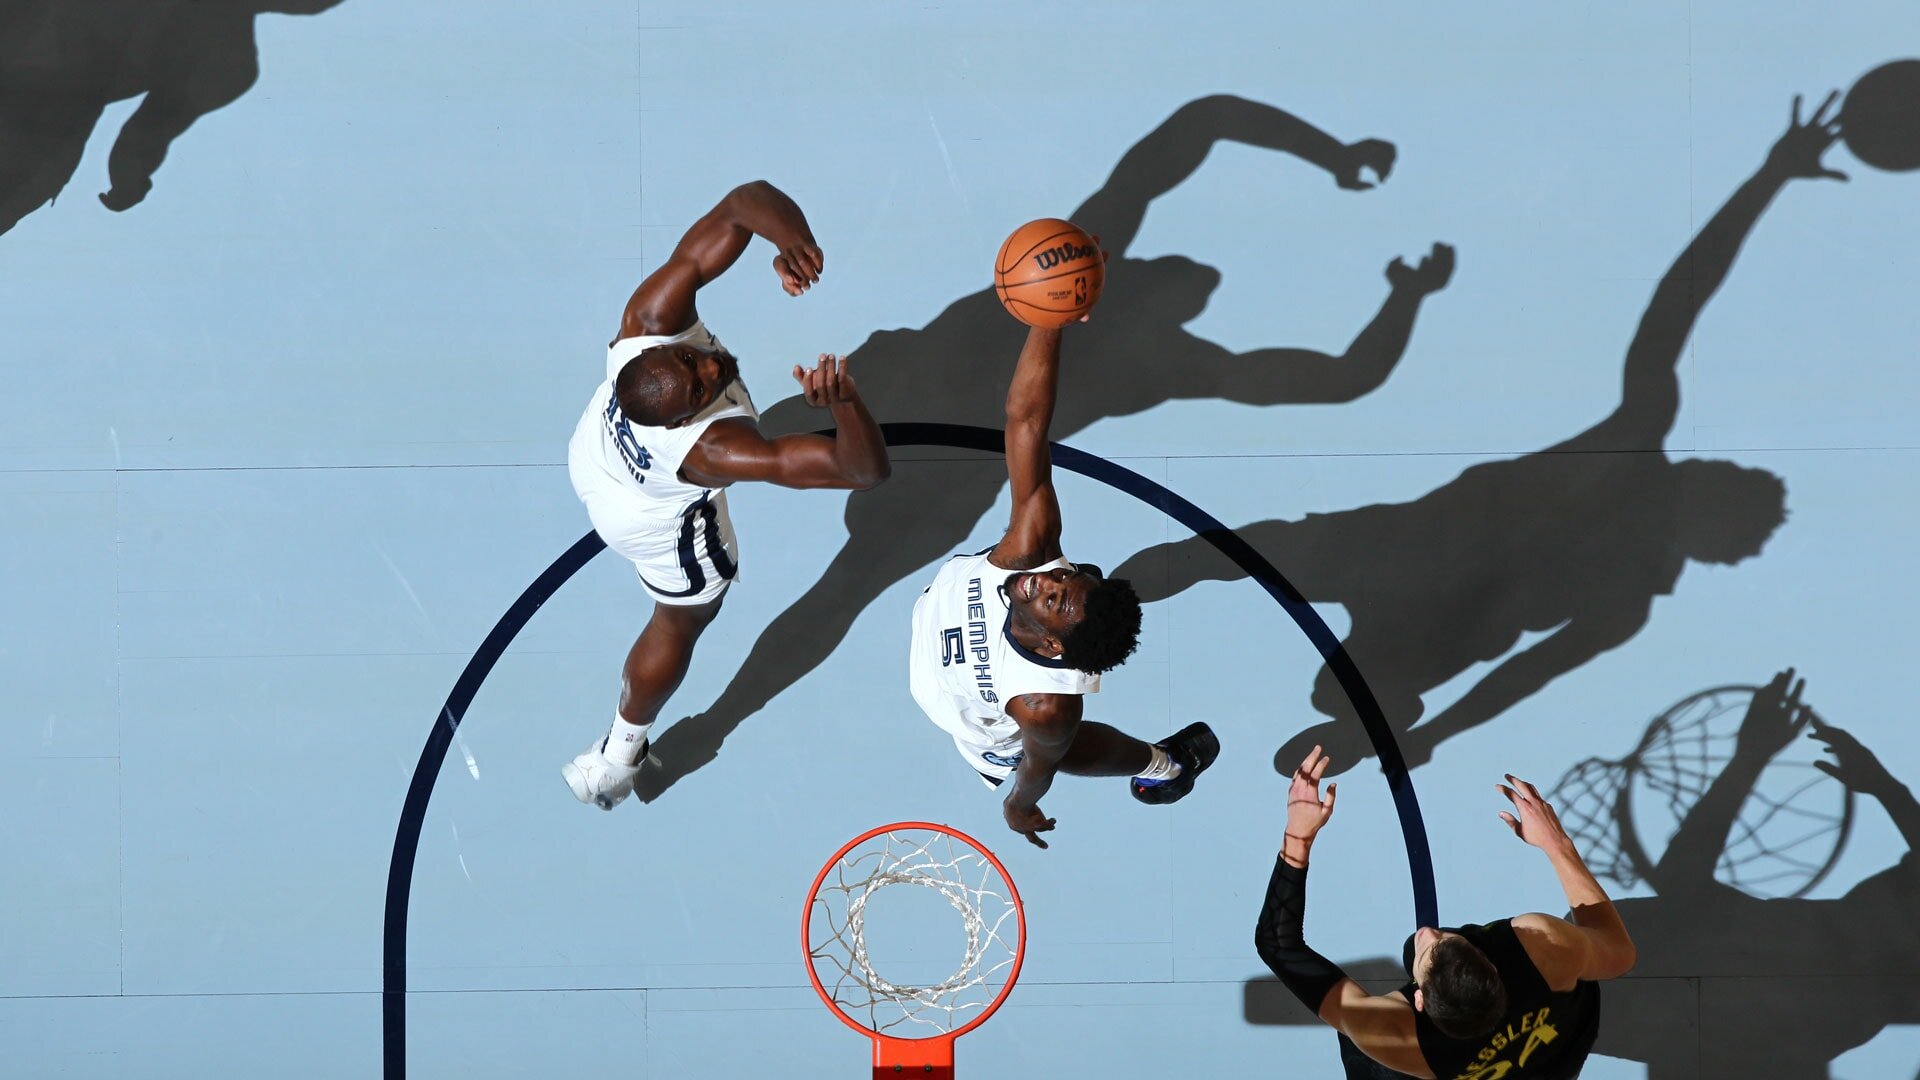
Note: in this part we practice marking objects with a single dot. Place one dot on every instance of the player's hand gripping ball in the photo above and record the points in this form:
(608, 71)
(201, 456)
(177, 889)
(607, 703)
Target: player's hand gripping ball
(1049, 273)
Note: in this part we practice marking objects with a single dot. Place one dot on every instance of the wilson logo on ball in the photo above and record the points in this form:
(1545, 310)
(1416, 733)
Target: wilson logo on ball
(1065, 253)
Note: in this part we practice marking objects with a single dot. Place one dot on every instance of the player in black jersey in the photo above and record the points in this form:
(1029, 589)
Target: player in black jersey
(1514, 999)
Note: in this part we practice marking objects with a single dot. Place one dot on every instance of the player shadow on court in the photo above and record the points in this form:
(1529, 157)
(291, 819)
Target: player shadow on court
(1730, 984)
(62, 62)
(1574, 541)
(1134, 355)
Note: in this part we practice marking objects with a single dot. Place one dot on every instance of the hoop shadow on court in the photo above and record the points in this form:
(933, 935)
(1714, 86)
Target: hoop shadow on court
(62, 62)
(1725, 811)
(1146, 358)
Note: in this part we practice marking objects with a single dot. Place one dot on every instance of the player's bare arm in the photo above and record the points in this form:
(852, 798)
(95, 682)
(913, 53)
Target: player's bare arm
(664, 302)
(856, 458)
(1594, 944)
(1048, 723)
(1033, 534)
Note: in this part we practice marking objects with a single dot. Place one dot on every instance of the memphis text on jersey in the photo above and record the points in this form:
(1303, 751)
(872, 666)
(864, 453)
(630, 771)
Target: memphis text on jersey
(1532, 1033)
(954, 650)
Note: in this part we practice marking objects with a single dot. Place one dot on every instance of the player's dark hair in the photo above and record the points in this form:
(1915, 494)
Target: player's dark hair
(1462, 991)
(643, 386)
(1108, 630)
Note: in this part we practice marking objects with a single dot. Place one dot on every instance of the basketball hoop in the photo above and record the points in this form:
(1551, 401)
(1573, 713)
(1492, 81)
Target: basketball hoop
(913, 1027)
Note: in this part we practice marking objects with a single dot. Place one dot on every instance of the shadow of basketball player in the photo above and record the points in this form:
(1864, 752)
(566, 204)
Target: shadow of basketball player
(1729, 984)
(1574, 541)
(1788, 983)
(62, 62)
(956, 370)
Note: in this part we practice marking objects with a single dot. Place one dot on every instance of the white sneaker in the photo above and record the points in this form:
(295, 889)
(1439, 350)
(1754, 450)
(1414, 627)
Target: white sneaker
(596, 780)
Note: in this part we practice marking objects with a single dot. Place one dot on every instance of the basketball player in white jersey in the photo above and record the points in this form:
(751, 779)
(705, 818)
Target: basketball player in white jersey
(1007, 643)
(667, 432)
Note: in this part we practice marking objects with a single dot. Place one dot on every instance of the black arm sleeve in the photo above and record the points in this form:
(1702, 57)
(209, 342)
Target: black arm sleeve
(1280, 938)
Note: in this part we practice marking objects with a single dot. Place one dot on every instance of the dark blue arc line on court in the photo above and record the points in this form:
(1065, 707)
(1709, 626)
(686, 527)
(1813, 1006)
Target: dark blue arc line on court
(413, 813)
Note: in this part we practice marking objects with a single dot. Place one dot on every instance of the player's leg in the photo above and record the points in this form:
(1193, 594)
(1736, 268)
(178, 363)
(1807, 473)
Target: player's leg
(1161, 772)
(658, 660)
(687, 566)
(603, 774)
(1102, 750)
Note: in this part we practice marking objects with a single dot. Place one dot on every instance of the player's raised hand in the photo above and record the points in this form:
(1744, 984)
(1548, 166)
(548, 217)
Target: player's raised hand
(829, 383)
(799, 265)
(1536, 823)
(1307, 813)
(1029, 822)
(1798, 152)
(1853, 765)
(1775, 717)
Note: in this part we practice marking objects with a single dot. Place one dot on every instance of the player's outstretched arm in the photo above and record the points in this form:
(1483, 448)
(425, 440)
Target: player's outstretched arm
(1595, 944)
(663, 304)
(1382, 1027)
(855, 458)
(1650, 400)
(1775, 717)
(1291, 376)
(1856, 766)
(1173, 151)
(1033, 535)
(1048, 723)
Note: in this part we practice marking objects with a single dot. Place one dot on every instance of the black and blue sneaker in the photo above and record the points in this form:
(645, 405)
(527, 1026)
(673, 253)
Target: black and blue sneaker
(1194, 747)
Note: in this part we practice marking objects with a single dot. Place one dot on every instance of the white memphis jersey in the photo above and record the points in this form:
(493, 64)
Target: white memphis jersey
(962, 643)
(647, 460)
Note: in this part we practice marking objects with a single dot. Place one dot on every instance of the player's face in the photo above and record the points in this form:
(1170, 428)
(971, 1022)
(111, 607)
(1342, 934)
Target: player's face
(1052, 601)
(707, 376)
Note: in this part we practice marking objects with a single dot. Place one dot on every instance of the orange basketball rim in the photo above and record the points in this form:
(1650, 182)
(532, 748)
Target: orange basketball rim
(913, 1027)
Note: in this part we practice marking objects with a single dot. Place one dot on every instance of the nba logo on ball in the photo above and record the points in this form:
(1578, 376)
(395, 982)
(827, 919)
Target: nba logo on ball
(1049, 273)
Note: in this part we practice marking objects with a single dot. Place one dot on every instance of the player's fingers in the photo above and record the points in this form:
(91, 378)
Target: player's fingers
(1820, 114)
(1509, 793)
(1326, 806)
(1511, 823)
(817, 257)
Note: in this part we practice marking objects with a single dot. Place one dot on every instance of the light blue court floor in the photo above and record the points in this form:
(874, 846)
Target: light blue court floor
(282, 442)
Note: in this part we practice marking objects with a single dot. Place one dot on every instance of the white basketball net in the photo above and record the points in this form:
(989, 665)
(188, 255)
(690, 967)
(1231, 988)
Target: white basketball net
(962, 875)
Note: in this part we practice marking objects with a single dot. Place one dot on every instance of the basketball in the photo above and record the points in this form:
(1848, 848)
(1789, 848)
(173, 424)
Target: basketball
(1880, 120)
(1049, 273)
